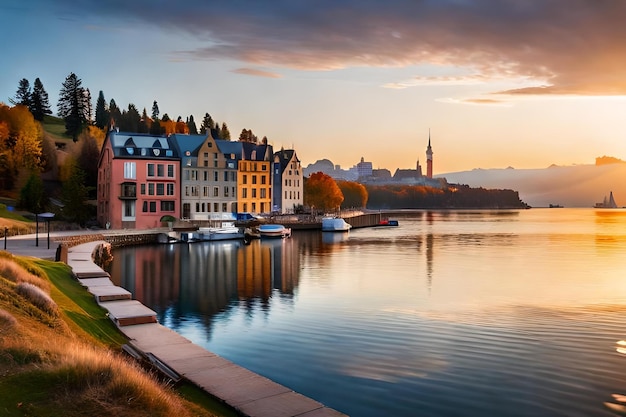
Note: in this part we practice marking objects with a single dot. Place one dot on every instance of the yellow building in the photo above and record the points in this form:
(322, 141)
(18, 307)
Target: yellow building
(254, 179)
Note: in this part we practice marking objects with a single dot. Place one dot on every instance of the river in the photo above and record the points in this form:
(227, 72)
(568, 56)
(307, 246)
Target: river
(453, 313)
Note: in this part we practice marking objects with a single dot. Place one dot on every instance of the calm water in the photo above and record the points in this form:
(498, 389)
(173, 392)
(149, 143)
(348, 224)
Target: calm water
(460, 313)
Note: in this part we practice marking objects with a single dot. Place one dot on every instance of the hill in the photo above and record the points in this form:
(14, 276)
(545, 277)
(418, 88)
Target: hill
(570, 186)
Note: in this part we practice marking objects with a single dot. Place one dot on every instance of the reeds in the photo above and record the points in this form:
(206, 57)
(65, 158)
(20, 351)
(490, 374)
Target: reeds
(11, 270)
(37, 297)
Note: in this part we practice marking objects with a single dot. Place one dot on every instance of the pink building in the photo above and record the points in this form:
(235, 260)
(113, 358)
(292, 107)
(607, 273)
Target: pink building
(138, 180)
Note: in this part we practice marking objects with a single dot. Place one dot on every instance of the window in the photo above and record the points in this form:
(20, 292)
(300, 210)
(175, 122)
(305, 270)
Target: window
(216, 191)
(263, 167)
(195, 192)
(244, 193)
(216, 176)
(170, 189)
(254, 179)
(216, 207)
(160, 170)
(129, 190)
(194, 175)
(233, 176)
(197, 207)
(225, 191)
(254, 207)
(153, 207)
(234, 190)
(225, 175)
(187, 190)
(170, 171)
(263, 193)
(167, 206)
(128, 210)
(187, 175)
(206, 175)
(245, 179)
(205, 191)
(224, 207)
(130, 170)
(151, 189)
(145, 207)
(151, 170)
(143, 189)
(254, 193)
(285, 194)
(263, 179)
(160, 189)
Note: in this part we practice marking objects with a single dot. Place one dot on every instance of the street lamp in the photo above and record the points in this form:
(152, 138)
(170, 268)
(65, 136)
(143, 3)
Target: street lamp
(47, 217)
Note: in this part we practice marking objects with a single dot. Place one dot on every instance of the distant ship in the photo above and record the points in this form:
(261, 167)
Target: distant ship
(609, 202)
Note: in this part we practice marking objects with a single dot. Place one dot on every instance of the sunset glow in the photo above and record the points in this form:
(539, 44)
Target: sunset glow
(498, 83)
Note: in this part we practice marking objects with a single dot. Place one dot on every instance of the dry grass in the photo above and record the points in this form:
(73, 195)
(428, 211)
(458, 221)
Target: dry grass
(47, 369)
(37, 297)
(14, 272)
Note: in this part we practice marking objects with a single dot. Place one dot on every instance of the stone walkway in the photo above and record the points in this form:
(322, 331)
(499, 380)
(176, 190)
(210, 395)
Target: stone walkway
(249, 393)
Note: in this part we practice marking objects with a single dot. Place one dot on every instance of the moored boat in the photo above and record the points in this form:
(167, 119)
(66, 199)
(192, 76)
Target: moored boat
(219, 233)
(274, 231)
(335, 224)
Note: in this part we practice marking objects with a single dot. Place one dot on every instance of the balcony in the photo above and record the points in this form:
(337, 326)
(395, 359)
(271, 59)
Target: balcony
(128, 191)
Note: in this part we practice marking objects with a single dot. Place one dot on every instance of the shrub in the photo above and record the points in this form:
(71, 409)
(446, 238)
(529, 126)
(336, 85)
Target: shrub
(38, 297)
(7, 321)
(18, 274)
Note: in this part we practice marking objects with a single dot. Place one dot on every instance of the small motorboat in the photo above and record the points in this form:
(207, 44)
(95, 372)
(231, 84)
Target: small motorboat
(335, 224)
(388, 222)
(274, 231)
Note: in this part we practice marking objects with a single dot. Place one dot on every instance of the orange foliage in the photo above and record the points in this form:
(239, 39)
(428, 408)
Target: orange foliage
(321, 192)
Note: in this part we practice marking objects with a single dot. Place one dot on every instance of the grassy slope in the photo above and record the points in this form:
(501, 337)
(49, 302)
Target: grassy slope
(68, 365)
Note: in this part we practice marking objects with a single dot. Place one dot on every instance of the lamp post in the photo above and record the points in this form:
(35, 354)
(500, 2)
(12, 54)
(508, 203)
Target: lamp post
(47, 217)
(37, 229)
(6, 232)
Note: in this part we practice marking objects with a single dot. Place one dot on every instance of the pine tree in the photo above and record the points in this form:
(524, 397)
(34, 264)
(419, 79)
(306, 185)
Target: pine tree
(88, 108)
(191, 124)
(23, 94)
(39, 105)
(102, 113)
(144, 122)
(72, 105)
(155, 110)
(224, 132)
(115, 114)
(207, 124)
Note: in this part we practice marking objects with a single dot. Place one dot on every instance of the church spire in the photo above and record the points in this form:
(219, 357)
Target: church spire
(429, 158)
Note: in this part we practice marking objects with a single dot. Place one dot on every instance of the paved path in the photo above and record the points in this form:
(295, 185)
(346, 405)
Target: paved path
(250, 394)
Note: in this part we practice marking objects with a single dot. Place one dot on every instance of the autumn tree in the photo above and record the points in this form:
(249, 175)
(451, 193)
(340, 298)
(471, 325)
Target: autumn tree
(73, 106)
(20, 143)
(247, 136)
(321, 192)
(224, 132)
(39, 102)
(23, 94)
(354, 193)
(102, 112)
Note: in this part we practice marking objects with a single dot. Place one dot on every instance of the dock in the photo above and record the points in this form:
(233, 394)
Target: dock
(177, 357)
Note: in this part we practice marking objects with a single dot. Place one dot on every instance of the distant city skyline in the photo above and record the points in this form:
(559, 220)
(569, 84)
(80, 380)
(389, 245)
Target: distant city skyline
(497, 82)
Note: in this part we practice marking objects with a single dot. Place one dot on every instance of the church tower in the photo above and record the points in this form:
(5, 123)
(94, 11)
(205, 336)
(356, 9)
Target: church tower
(429, 159)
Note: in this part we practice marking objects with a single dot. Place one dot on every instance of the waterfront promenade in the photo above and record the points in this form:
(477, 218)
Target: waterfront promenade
(250, 394)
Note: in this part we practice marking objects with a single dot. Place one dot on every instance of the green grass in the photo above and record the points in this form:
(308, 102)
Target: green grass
(55, 127)
(12, 215)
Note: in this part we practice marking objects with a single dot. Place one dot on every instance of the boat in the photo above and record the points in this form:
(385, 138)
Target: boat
(609, 202)
(335, 224)
(274, 231)
(219, 233)
(388, 222)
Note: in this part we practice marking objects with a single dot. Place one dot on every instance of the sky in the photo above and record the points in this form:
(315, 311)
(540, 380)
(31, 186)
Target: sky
(494, 83)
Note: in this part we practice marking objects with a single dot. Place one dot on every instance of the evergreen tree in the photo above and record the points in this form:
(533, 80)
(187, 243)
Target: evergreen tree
(115, 114)
(87, 161)
(143, 123)
(74, 196)
(155, 110)
(23, 94)
(224, 132)
(39, 104)
(207, 124)
(88, 109)
(166, 118)
(72, 105)
(155, 128)
(32, 195)
(191, 124)
(102, 113)
(130, 119)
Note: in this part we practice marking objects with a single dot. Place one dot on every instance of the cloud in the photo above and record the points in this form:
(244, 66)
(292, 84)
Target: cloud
(563, 46)
(257, 73)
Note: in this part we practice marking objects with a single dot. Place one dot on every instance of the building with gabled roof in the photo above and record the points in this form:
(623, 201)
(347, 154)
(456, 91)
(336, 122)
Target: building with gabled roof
(208, 177)
(254, 178)
(137, 180)
(288, 193)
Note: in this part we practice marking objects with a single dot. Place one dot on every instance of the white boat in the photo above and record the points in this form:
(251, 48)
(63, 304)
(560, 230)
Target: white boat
(274, 231)
(219, 233)
(335, 224)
